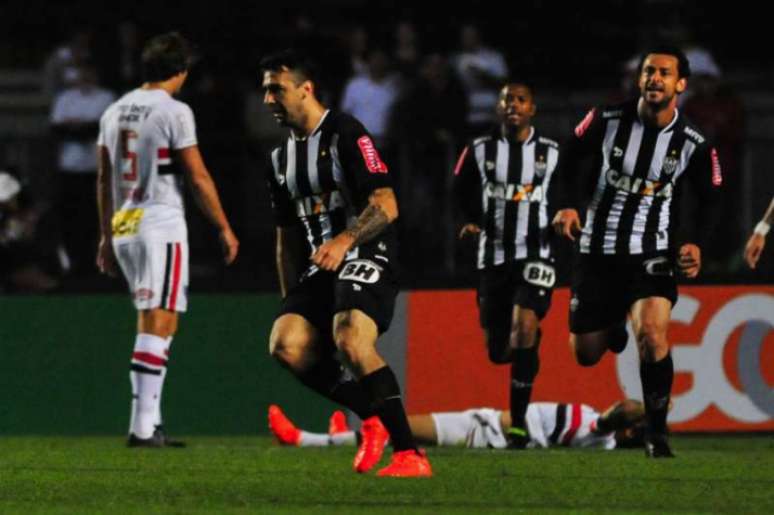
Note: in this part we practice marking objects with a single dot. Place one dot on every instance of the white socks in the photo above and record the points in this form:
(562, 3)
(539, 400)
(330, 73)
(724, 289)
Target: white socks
(148, 369)
(324, 439)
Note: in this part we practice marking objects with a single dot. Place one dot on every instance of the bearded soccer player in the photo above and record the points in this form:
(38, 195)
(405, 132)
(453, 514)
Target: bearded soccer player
(500, 187)
(147, 145)
(644, 152)
(329, 182)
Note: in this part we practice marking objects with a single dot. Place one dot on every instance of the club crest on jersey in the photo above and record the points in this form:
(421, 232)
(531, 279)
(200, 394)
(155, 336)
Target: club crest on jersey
(361, 270)
(371, 157)
(617, 152)
(670, 165)
(541, 167)
(540, 274)
(490, 165)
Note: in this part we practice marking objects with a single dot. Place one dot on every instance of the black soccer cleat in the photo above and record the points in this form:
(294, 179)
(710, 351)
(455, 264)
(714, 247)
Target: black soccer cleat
(168, 442)
(157, 441)
(657, 446)
(517, 438)
(154, 442)
(618, 337)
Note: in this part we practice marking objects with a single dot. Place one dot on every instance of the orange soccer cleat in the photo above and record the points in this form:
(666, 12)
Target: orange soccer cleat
(338, 423)
(408, 463)
(282, 428)
(374, 437)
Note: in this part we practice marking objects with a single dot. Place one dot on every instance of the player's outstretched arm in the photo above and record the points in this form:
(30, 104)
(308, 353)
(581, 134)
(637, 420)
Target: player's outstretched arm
(757, 241)
(381, 211)
(206, 195)
(106, 261)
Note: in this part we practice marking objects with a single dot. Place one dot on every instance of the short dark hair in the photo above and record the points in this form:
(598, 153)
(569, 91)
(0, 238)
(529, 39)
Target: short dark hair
(518, 81)
(683, 66)
(166, 55)
(299, 63)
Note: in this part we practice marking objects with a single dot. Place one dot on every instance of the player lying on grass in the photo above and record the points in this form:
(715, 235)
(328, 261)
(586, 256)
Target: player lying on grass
(550, 424)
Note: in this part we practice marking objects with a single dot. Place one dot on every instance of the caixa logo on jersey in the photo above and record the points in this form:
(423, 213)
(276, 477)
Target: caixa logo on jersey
(637, 185)
(733, 379)
(361, 270)
(540, 274)
(514, 192)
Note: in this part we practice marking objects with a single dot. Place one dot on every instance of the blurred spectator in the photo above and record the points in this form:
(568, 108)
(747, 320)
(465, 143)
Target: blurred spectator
(428, 124)
(719, 113)
(121, 62)
(75, 118)
(482, 71)
(406, 52)
(20, 259)
(370, 97)
(60, 70)
(358, 48)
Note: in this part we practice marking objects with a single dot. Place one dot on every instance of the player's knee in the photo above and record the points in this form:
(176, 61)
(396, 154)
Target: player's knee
(651, 340)
(158, 322)
(497, 347)
(349, 342)
(523, 335)
(288, 349)
(584, 355)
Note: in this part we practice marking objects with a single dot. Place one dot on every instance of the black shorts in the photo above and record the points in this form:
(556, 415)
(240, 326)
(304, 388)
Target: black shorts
(524, 283)
(605, 287)
(368, 285)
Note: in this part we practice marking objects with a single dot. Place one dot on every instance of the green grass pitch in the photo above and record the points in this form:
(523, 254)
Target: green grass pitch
(252, 475)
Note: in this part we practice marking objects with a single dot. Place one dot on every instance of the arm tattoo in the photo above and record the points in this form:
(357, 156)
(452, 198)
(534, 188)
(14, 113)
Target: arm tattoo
(371, 222)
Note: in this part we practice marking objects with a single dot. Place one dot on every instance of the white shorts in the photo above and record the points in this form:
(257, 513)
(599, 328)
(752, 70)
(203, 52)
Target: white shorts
(474, 428)
(157, 272)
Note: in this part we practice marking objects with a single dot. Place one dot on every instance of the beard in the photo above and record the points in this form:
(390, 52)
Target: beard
(657, 99)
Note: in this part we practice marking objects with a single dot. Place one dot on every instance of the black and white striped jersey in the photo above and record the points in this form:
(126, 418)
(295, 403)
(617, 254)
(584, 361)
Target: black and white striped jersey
(502, 186)
(640, 171)
(325, 179)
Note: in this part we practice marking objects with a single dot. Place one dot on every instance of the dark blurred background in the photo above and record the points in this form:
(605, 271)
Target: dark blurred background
(405, 71)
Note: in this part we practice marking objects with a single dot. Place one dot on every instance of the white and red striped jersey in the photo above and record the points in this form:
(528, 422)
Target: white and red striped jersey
(553, 424)
(141, 131)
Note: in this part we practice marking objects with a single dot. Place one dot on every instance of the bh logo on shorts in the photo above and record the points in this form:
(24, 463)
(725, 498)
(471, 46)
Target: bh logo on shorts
(361, 270)
(540, 274)
(749, 315)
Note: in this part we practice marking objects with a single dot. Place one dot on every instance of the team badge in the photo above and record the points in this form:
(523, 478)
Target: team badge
(670, 165)
(617, 152)
(541, 167)
(490, 165)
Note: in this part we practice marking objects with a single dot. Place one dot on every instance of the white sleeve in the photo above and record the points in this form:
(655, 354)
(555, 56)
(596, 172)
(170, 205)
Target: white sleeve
(59, 110)
(101, 136)
(537, 435)
(499, 68)
(347, 102)
(182, 128)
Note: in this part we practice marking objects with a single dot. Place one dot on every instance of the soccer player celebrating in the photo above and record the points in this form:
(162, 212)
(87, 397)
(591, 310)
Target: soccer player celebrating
(628, 255)
(500, 187)
(328, 180)
(147, 140)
